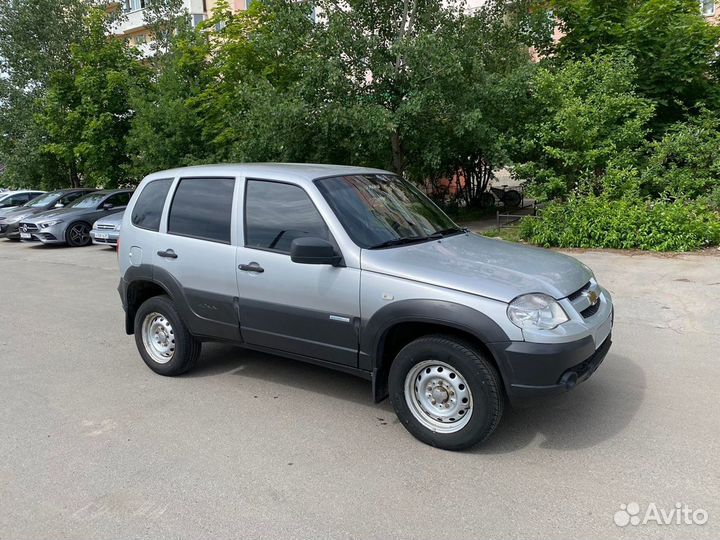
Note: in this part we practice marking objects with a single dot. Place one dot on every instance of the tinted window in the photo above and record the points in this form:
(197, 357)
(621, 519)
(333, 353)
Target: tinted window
(119, 199)
(70, 197)
(149, 206)
(202, 208)
(276, 214)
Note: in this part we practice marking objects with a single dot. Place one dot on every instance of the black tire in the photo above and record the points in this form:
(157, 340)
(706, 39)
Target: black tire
(186, 346)
(512, 198)
(78, 234)
(483, 382)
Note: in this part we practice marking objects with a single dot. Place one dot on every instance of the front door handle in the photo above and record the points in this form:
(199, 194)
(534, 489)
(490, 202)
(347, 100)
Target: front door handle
(252, 267)
(168, 254)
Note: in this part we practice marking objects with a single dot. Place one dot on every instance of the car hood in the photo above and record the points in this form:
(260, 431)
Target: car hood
(484, 266)
(21, 213)
(60, 213)
(114, 219)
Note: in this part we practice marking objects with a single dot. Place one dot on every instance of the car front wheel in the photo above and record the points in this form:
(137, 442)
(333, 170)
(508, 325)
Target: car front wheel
(164, 342)
(78, 235)
(446, 392)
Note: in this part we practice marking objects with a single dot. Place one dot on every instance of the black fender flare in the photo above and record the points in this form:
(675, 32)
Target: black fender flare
(441, 312)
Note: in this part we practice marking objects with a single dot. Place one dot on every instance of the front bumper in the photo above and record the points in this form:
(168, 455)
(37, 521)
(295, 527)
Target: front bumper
(534, 370)
(54, 234)
(110, 240)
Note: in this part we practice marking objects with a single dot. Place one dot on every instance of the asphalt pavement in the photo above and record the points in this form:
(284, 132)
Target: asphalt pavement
(95, 445)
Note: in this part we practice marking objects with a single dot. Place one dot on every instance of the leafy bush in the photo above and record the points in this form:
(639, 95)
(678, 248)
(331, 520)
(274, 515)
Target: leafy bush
(686, 161)
(590, 116)
(598, 222)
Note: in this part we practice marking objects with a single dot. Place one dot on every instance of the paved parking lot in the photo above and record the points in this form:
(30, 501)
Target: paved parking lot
(94, 445)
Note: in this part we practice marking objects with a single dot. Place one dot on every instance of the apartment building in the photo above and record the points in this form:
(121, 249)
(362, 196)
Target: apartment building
(133, 25)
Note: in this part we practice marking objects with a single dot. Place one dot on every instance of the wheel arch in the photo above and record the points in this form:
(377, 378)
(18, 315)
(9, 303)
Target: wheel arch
(396, 325)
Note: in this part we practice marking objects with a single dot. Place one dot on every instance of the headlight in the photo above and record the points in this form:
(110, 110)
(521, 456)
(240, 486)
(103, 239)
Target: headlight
(117, 227)
(50, 224)
(536, 311)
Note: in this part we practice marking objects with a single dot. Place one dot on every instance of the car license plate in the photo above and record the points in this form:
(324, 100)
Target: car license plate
(101, 236)
(25, 235)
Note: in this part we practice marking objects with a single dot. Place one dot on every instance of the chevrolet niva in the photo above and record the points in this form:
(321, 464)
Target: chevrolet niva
(357, 270)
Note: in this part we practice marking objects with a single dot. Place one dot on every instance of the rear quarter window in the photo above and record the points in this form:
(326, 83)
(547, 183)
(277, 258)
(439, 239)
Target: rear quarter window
(148, 209)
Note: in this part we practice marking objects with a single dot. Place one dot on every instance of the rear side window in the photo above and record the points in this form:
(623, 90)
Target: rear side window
(277, 213)
(149, 206)
(202, 208)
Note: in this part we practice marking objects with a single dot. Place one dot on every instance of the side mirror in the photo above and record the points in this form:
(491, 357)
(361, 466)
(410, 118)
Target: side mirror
(59, 205)
(107, 206)
(311, 250)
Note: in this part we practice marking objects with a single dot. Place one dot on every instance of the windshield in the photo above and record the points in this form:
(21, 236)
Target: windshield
(43, 200)
(379, 210)
(89, 201)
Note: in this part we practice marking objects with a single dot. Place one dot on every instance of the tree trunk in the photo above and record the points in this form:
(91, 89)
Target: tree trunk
(398, 153)
(74, 177)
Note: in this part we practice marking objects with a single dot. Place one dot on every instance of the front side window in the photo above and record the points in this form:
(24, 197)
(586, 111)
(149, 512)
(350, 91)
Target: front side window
(380, 209)
(277, 213)
(202, 208)
(148, 209)
(119, 199)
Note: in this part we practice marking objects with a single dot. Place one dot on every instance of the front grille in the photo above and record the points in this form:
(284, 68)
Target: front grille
(102, 227)
(590, 311)
(579, 292)
(28, 227)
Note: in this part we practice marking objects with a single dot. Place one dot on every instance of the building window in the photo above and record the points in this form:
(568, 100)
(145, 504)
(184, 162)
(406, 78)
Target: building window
(707, 7)
(134, 5)
(140, 39)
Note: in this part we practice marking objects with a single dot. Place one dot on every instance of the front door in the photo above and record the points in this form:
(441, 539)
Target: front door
(306, 309)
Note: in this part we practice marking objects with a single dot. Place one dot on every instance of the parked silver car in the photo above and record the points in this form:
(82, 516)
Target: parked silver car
(10, 221)
(357, 270)
(9, 200)
(71, 225)
(106, 231)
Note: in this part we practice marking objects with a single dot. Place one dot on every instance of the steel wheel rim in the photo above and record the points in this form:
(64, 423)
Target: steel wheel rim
(438, 396)
(79, 234)
(158, 337)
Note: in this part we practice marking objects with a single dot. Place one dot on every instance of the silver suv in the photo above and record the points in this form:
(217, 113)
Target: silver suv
(357, 270)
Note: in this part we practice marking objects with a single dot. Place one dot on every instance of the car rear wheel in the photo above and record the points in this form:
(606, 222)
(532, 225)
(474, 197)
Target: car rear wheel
(78, 235)
(445, 392)
(164, 342)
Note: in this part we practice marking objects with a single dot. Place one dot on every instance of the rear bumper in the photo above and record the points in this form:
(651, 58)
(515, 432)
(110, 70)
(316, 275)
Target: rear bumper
(536, 370)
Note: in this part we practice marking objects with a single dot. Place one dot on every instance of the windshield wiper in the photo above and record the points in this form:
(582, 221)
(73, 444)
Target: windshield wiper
(406, 240)
(450, 230)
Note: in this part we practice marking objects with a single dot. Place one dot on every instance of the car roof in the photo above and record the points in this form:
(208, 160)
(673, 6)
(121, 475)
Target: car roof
(6, 193)
(299, 172)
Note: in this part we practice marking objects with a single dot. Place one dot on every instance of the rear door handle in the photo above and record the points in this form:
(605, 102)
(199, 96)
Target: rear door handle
(252, 267)
(168, 254)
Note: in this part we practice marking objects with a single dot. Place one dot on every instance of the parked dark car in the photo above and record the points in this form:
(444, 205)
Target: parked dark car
(10, 221)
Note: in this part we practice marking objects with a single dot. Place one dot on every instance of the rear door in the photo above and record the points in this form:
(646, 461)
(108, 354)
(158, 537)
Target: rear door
(197, 254)
(305, 309)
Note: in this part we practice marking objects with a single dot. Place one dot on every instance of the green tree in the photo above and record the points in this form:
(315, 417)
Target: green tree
(592, 119)
(85, 113)
(674, 48)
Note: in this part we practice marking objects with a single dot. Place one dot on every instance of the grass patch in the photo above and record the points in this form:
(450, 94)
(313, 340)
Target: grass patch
(511, 234)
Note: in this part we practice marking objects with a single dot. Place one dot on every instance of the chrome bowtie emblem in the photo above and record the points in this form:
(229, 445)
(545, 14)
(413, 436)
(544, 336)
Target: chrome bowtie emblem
(592, 296)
